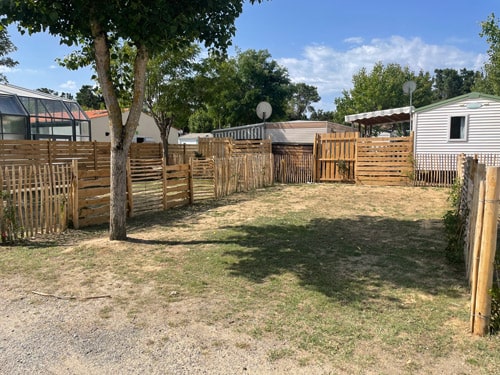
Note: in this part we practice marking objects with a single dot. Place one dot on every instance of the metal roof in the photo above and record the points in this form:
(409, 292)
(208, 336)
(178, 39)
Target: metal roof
(385, 116)
(9, 89)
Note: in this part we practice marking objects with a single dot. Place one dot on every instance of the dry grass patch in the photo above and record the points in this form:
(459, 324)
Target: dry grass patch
(322, 278)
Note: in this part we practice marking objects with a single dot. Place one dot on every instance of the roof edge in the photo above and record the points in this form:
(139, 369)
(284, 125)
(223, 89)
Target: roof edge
(470, 95)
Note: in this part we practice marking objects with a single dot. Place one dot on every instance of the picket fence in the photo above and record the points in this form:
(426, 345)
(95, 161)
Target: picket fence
(479, 208)
(38, 199)
(35, 200)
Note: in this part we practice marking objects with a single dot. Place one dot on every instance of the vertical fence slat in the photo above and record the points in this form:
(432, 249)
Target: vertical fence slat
(482, 314)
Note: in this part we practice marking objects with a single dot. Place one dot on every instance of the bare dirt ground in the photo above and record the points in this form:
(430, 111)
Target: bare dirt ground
(117, 326)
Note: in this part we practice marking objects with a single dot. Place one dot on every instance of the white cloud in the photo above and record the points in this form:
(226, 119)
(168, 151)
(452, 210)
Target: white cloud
(68, 85)
(331, 70)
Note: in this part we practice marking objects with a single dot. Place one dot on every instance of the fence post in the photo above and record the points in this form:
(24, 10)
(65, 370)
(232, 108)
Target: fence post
(487, 253)
(74, 194)
(476, 252)
(191, 183)
(130, 192)
(315, 157)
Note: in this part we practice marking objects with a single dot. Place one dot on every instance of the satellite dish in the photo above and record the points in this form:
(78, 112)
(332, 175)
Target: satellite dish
(409, 87)
(264, 110)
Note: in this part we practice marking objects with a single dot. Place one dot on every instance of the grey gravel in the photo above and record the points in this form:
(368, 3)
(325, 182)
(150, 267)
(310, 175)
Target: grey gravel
(44, 335)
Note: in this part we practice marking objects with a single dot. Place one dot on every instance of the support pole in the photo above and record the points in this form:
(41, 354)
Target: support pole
(487, 256)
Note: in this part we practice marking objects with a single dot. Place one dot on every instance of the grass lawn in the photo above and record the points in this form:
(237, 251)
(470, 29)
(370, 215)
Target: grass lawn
(351, 277)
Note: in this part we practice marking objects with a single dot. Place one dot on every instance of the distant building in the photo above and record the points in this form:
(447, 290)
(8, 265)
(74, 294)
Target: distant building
(192, 138)
(146, 132)
(28, 114)
(286, 132)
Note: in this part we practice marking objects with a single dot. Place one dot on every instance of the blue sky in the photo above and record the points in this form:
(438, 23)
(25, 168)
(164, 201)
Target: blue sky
(321, 42)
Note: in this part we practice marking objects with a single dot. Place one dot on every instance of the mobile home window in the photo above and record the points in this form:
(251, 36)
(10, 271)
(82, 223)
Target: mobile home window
(458, 128)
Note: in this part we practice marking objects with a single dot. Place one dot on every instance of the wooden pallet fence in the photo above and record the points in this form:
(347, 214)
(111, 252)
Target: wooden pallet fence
(90, 155)
(219, 147)
(482, 227)
(35, 199)
(181, 154)
(244, 173)
(154, 186)
(228, 147)
(251, 146)
(335, 157)
(293, 168)
(384, 161)
(203, 175)
(91, 196)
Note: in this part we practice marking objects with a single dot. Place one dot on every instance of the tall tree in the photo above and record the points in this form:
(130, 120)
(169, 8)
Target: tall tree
(490, 82)
(88, 98)
(449, 83)
(229, 90)
(167, 95)
(381, 88)
(6, 47)
(150, 26)
(300, 104)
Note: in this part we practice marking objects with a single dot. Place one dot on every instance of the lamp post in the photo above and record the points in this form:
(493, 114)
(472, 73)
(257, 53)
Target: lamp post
(408, 88)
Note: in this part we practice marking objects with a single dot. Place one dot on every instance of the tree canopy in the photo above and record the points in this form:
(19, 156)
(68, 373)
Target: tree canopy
(489, 83)
(6, 47)
(382, 88)
(150, 26)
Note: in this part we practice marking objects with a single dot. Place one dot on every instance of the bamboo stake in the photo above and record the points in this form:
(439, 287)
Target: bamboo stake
(487, 252)
(476, 252)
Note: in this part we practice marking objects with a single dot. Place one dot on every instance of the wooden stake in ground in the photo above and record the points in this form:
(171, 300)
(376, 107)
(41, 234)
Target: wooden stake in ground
(487, 253)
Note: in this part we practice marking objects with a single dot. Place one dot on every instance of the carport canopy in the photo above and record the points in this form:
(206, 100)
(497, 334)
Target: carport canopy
(383, 117)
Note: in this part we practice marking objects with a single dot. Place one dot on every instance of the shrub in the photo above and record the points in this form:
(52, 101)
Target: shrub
(454, 225)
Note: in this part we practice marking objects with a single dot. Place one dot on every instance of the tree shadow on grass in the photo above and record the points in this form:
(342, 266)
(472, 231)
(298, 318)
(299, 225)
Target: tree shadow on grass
(347, 259)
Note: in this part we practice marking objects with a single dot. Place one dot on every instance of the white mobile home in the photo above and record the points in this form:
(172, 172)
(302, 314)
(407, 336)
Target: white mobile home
(286, 132)
(468, 124)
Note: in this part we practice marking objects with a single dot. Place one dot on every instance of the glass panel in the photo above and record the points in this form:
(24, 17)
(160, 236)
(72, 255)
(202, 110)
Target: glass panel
(13, 136)
(29, 104)
(84, 128)
(9, 105)
(56, 108)
(14, 124)
(457, 127)
(76, 110)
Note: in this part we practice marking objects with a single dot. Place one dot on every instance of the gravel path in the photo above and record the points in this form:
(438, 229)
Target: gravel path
(46, 335)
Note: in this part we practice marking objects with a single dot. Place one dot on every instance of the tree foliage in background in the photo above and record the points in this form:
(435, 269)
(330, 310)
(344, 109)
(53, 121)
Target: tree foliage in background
(489, 82)
(382, 88)
(449, 83)
(300, 103)
(6, 47)
(229, 90)
(89, 98)
(168, 93)
(150, 27)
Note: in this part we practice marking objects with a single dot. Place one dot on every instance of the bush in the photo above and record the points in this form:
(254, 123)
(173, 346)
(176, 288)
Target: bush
(454, 225)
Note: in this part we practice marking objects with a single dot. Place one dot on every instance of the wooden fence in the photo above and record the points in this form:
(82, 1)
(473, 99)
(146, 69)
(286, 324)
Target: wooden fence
(384, 161)
(479, 208)
(35, 199)
(227, 147)
(90, 155)
(151, 186)
(335, 156)
(38, 199)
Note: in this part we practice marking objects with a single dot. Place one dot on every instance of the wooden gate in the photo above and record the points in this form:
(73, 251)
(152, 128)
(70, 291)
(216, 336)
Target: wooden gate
(335, 157)
(384, 161)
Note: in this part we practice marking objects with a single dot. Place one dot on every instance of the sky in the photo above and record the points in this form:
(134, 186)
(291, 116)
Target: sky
(322, 43)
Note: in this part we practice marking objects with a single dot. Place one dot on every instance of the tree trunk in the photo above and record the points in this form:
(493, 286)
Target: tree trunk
(118, 197)
(121, 134)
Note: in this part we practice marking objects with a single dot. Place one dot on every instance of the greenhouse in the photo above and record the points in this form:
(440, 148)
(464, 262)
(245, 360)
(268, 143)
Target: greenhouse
(34, 115)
